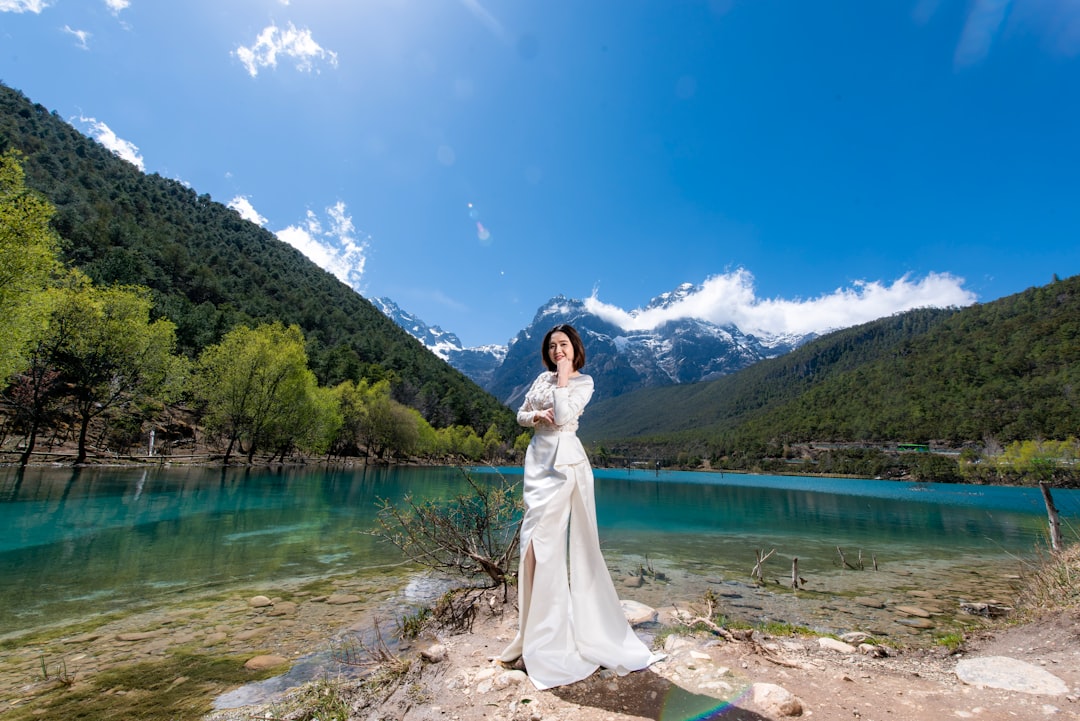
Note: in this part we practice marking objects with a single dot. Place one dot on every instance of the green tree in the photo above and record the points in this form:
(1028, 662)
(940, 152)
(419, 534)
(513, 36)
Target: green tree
(462, 442)
(353, 412)
(521, 445)
(28, 247)
(248, 380)
(110, 353)
(36, 391)
(493, 443)
(308, 421)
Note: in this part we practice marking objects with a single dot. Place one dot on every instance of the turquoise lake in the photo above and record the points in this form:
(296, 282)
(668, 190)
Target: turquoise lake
(80, 542)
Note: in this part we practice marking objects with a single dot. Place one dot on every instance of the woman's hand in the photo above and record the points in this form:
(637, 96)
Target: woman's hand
(545, 416)
(564, 367)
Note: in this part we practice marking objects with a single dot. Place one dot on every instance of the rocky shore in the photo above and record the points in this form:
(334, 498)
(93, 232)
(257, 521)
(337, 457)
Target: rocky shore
(1022, 673)
(1014, 672)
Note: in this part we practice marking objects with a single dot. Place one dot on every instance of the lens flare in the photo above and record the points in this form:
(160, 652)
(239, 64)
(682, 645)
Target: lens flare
(482, 233)
(682, 705)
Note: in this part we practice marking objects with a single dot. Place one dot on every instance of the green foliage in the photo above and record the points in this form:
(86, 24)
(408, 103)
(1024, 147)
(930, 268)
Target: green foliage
(1054, 462)
(109, 352)
(28, 248)
(521, 443)
(951, 641)
(209, 270)
(460, 442)
(256, 389)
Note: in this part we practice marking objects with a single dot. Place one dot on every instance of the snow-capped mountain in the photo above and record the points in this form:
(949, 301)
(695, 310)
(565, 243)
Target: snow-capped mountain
(682, 351)
(478, 363)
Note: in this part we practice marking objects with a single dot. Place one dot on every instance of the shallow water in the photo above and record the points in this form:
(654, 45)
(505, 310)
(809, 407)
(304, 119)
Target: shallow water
(95, 540)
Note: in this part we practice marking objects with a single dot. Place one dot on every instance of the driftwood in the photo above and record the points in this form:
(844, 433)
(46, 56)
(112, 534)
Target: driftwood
(759, 572)
(738, 636)
(844, 561)
(1052, 514)
(796, 579)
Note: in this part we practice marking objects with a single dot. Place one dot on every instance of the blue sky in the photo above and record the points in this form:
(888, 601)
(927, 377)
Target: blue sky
(808, 165)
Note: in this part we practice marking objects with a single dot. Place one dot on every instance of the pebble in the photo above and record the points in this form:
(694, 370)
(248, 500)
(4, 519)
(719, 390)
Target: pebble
(250, 634)
(913, 611)
(139, 636)
(834, 645)
(259, 602)
(341, 599)
(285, 608)
(258, 663)
(868, 602)
(435, 653)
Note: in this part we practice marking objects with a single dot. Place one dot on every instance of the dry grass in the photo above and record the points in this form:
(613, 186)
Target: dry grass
(1053, 583)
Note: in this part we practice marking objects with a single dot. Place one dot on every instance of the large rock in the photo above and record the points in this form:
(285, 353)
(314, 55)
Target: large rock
(1011, 675)
(776, 700)
(638, 612)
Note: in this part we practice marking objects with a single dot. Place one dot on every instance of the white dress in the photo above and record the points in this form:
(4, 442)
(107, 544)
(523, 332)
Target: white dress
(567, 630)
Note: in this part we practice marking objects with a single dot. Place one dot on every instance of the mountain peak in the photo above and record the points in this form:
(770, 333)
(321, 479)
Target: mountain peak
(666, 300)
(477, 363)
(686, 350)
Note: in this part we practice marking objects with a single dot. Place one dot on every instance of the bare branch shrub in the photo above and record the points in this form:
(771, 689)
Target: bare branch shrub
(470, 535)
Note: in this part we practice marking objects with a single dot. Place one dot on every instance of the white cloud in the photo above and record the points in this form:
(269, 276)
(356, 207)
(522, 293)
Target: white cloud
(336, 249)
(290, 43)
(983, 24)
(1055, 22)
(731, 298)
(115, 6)
(81, 36)
(22, 6)
(123, 148)
(246, 210)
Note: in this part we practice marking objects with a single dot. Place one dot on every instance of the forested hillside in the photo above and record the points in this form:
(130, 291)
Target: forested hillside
(209, 270)
(1007, 370)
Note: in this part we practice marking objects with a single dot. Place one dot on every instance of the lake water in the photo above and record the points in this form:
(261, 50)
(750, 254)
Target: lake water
(79, 542)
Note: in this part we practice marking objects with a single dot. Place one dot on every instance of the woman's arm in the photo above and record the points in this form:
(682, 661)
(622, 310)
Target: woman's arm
(527, 414)
(571, 400)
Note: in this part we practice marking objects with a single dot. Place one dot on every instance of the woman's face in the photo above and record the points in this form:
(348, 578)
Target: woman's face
(559, 346)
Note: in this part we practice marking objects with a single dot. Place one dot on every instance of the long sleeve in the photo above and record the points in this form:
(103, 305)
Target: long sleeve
(568, 402)
(571, 400)
(526, 415)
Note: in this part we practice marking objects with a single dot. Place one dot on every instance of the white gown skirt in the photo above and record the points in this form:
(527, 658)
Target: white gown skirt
(570, 625)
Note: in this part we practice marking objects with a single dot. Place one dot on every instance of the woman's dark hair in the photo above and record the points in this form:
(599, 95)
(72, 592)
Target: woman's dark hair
(575, 341)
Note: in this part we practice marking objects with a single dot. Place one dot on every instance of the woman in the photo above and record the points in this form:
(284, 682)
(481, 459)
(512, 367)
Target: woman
(566, 631)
